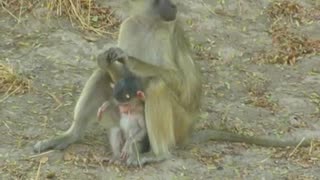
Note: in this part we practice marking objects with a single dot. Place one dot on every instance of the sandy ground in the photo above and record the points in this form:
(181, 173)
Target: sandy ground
(240, 95)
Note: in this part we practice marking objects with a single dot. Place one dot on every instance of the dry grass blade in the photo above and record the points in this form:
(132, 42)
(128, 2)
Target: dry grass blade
(41, 154)
(295, 149)
(58, 101)
(11, 83)
(43, 160)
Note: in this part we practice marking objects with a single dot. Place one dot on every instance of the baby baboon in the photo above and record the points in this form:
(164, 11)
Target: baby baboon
(129, 139)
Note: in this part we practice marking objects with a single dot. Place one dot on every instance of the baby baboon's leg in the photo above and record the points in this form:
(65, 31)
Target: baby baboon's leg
(116, 141)
(135, 153)
(96, 90)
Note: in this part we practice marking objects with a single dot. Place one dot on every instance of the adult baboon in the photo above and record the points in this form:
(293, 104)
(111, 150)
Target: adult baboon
(156, 44)
(152, 44)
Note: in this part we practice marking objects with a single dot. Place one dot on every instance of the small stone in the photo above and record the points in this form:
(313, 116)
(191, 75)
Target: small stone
(51, 175)
(219, 168)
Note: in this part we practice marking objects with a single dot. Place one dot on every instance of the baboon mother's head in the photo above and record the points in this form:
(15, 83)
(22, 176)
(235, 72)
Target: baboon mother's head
(164, 9)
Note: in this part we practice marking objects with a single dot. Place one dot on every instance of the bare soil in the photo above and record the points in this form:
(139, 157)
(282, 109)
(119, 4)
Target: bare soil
(242, 93)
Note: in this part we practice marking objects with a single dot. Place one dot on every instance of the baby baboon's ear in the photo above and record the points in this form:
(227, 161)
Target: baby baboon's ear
(140, 95)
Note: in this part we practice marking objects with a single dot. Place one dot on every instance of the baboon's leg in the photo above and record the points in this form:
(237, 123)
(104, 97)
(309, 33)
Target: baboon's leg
(96, 90)
(183, 123)
(159, 117)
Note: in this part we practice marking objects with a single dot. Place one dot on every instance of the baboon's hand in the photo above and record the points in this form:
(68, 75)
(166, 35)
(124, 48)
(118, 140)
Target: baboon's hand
(117, 54)
(111, 55)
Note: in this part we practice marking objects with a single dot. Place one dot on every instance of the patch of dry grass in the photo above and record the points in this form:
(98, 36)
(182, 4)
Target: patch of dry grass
(203, 51)
(293, 11)
(285, 8)
(305, 157)
(11, 83)
(211, 160)
(287, 46)
(257, 88)
(315, 99)
(87, 14)
(17, 8)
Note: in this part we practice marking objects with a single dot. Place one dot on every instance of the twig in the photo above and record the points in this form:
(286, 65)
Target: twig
(8, 127)
(76, 13)
(240, 8)
(311, 148)
(42, 161)
(89, 12)
(276, 21)
(208, 8)
(41, 154)
(6, 97)
(38, 171)
(265, 159)
(32, 48)
(20, 10)
(56, 99)
(9, 89)
(9, 13)
(34, 3)
(60, 8)
(295, 149)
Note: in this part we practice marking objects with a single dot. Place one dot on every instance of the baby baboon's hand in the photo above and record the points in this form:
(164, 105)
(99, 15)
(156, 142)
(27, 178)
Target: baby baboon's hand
(103, 108)
(125, 151)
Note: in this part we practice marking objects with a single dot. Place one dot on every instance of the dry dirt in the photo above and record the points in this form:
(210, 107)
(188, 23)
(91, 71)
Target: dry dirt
(242, 94)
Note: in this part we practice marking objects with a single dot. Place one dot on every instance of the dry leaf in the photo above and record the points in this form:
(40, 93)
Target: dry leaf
(67, 157)
(44, 159)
